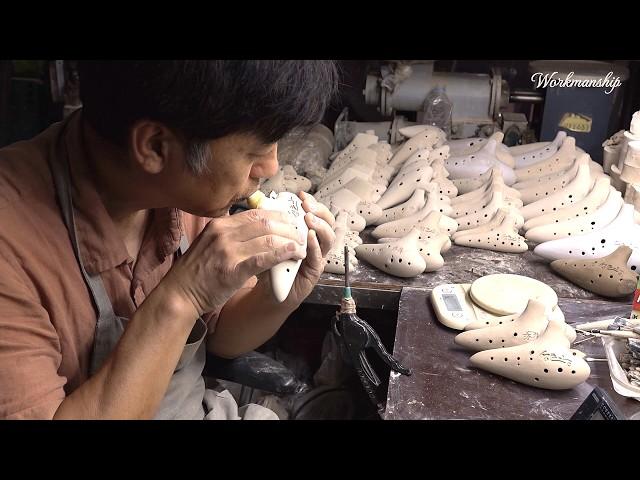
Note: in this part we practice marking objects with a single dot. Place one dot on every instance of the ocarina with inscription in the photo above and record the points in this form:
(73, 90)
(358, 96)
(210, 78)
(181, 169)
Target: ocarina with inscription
(546, 362)
(607, 276)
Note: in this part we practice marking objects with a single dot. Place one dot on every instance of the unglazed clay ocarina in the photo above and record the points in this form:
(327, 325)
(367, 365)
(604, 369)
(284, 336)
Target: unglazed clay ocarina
(607, 276)
(284, 274)
(400, 258)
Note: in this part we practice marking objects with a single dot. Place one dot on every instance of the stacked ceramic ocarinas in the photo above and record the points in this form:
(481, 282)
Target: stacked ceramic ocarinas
(356, 179)
(574, 214)
(531, 347)
(285, 180)
(486, 209)
(335, 260)
(414, 227)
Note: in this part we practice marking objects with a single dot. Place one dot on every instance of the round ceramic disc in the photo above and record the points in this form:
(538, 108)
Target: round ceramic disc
(506, 294)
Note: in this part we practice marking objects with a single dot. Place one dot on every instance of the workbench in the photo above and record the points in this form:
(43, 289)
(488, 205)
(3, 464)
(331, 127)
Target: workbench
(443, 384)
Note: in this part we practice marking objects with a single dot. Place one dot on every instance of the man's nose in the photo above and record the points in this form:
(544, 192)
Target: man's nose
(267, 166)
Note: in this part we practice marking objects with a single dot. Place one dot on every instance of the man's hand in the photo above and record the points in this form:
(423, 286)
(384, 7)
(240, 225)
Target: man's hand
(320, 239)
(232, 249)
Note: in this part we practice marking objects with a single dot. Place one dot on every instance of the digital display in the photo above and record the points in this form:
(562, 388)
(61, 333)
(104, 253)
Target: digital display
(451, 302)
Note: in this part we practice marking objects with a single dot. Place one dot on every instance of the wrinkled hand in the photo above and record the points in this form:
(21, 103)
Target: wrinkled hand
(320, 240)
(232, 249)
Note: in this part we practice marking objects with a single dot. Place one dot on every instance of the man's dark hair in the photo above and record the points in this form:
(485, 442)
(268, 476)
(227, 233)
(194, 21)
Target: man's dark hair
(203, 100)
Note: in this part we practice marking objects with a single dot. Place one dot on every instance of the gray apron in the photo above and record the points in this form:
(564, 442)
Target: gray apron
(186, 391)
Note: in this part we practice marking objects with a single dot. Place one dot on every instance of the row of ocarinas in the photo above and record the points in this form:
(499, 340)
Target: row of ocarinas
(572, 211)
(570, 208)
(533, 348)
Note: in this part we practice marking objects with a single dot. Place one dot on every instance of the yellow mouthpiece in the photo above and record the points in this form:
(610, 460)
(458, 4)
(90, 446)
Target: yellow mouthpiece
(255, 199)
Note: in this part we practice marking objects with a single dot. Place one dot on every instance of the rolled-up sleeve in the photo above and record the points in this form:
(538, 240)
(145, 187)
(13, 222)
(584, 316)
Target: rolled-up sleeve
(30, 355)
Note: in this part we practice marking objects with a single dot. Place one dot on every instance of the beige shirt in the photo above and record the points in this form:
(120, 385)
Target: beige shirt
(47, 318)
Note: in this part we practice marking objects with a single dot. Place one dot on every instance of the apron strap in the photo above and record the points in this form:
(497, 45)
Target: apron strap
(108, 327)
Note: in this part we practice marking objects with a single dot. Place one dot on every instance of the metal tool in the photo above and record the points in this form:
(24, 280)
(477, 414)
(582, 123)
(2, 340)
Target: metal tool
(355, 335)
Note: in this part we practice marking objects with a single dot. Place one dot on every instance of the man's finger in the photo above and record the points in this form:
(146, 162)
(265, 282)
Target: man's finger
(325, 234)
(267, 243)
(310, 204)
(264, 261)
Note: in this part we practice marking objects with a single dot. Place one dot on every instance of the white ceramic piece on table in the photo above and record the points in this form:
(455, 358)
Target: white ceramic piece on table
(483, 214)
(555, 315)
(478, 163)
(364, 156)
(402, 189)
(439, 169)
(447, 187)
(561, 160)
(501, 238)
(411, 206)
(515, 292)
(370, 211)
(355, 221)
(495, 221)
(539, 154)
(367, 166)
(425, 139)
(582, 225)
(429, 221)
(573, 192)
(534, 190)
(546, 362)
(285, 181)
(461, 209)
(420, 157)
(352, 239)
(340, 182)
(335, 261)
(383, 152)
(594, 167)
(283, 274)
(414, 130)
(467, 185)
(400, 258)
(367, 191)
(531, 147)
(493, 180)
(621, 231)
(528, 326)
(439, 153)
(467, 146)
(607, 276)
(435, 202)
(589, 204)
(360, 141)
(431, 248)
(426, 236)
(343, 199)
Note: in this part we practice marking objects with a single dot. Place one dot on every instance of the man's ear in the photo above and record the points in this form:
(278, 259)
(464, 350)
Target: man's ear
(152, 143)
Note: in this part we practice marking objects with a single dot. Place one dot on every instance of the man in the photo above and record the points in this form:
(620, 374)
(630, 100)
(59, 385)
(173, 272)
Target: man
(103, 311)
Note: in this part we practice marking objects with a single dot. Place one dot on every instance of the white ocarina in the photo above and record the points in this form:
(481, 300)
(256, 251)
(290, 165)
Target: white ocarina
(284, 274)
(526, 327)
(540, 154)
(411, 206)
(475, 164)
(400, 258)
(468, 146)
(402, 188)
(582, 225)
(621, 231)
(574, 191)
(589, 204)
(561, 160)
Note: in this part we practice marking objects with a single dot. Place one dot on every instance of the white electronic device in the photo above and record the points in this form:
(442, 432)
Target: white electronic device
(454, 307)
